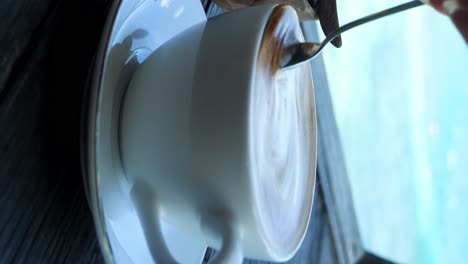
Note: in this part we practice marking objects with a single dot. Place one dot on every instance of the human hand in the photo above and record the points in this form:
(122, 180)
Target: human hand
(457, 10)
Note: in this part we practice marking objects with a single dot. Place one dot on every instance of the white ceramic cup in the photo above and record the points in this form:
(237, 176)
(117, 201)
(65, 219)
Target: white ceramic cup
(192, 145)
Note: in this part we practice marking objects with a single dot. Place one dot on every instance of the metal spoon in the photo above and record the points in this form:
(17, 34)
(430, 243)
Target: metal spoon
(299, 53)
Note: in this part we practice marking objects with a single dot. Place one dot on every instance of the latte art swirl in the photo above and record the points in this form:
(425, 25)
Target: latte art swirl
(277, 133)
(281, 134)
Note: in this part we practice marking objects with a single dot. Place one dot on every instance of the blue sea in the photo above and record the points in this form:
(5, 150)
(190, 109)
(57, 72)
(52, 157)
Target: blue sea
(400, 93)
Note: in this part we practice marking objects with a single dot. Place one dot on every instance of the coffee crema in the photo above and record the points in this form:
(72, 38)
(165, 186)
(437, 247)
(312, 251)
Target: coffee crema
(281, 134)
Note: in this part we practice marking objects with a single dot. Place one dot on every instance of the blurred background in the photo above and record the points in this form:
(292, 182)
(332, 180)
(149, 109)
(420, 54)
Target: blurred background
(400, 93)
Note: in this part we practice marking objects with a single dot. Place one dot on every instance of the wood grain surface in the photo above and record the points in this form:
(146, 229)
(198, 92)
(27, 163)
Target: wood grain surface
(46, 49)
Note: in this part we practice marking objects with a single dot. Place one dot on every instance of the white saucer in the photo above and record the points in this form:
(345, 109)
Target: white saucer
(133, 30)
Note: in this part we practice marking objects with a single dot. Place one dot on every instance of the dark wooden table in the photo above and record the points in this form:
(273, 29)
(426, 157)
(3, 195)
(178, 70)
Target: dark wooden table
(46, 49)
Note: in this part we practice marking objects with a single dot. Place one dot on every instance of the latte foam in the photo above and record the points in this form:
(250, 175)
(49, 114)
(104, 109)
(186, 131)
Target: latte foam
(282, 136)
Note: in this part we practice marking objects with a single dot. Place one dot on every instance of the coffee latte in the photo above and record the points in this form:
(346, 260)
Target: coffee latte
(282, 137)
(218, 141)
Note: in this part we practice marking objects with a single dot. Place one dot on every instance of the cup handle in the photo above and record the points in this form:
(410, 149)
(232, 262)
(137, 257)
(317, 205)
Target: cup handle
(221, 224)
(148, 213)
(217, 224)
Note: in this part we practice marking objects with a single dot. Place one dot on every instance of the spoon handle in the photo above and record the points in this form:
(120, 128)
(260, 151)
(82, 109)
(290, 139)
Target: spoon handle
(369, 18)
(299, 53)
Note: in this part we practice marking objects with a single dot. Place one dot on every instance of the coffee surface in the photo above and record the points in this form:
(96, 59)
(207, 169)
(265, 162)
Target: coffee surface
(282, 134)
